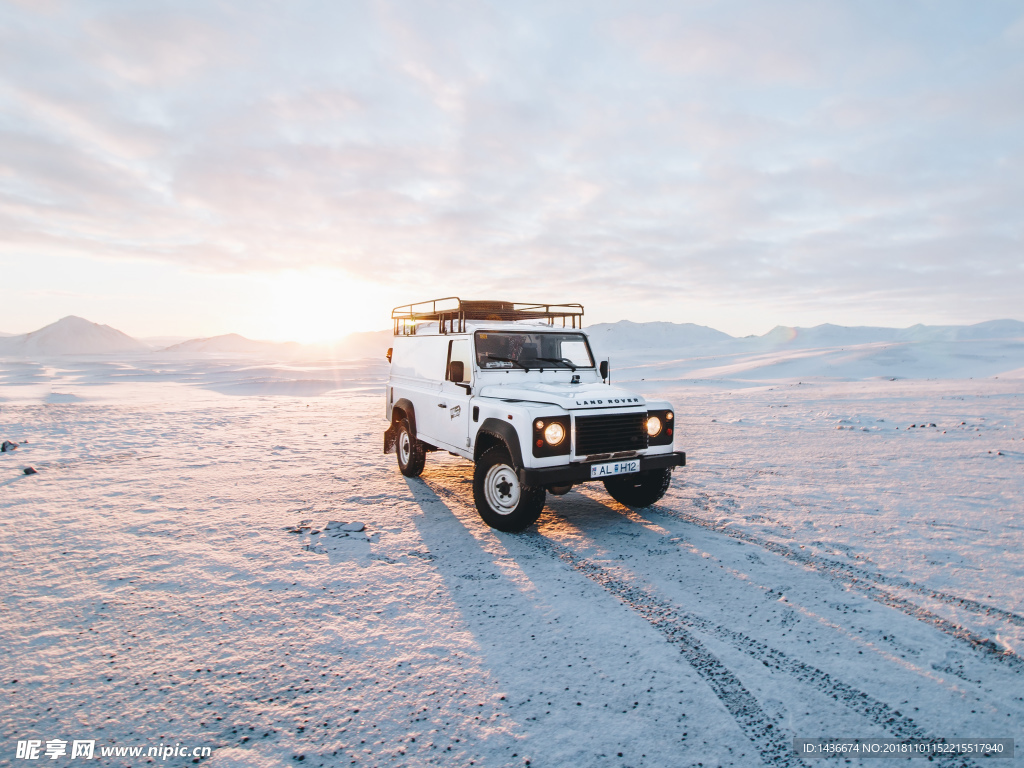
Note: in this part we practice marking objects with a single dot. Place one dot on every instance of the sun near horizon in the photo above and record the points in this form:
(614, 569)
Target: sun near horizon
(319, 306)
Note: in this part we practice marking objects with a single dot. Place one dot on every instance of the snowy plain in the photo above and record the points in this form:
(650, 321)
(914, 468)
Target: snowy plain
(842, 556)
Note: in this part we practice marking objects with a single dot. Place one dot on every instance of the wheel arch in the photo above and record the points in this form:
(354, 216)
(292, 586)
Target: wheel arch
(402, 409)
(497, 432)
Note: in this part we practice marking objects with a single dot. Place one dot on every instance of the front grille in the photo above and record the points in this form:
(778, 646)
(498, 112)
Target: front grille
(611, 433)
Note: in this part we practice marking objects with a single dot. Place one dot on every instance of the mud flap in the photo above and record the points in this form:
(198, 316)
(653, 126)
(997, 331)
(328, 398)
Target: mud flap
(390, 438)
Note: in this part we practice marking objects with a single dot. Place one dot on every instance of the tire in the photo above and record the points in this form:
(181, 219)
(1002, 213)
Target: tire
(410, 451)
(502, 501)
(639, 489)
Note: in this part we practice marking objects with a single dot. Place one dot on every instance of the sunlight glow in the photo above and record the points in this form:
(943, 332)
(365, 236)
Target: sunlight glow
(321, 305)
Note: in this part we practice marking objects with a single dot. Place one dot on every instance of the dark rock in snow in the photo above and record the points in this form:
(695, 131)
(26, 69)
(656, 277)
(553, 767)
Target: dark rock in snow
(7, 445)
(30, 471)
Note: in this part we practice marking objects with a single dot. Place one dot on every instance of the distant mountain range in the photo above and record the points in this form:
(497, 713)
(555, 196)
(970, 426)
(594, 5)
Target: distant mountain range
(76, 336)
(655, 338)
(666, 352)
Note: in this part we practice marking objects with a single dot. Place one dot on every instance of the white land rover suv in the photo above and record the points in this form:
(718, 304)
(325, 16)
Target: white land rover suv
(514, 388)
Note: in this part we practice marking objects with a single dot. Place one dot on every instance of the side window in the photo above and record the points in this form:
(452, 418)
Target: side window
(419, 358)
(458, 352)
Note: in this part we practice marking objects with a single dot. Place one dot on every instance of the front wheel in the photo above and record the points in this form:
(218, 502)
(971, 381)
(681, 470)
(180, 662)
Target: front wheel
(411, 453)
(639, 489)
(502, 501)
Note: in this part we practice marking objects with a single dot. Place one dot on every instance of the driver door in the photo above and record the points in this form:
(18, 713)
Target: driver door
(454, 400)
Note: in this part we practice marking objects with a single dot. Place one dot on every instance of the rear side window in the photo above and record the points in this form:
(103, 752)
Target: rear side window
(420, 358)
(458, 351)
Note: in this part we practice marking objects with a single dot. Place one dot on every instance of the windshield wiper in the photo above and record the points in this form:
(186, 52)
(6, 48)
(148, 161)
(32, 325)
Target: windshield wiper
(507, 360)
(563, 360)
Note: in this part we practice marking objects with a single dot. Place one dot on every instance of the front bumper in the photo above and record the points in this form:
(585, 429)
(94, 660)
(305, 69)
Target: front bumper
(580, 473)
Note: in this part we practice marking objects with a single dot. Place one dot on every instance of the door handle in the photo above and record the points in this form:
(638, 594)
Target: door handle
(442, 405)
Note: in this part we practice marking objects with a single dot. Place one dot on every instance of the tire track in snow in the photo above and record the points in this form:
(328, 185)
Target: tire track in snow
(760, 728)
(852, 571)
(869, 585)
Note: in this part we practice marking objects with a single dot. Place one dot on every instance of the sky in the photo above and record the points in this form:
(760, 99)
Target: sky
(293, 170)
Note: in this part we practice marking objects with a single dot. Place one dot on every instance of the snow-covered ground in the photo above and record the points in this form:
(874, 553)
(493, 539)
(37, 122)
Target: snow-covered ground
(839, 558)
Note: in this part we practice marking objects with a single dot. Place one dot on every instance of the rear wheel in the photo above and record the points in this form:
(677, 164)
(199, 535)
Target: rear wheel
(502, 501)
(639, 489)
(411, 453)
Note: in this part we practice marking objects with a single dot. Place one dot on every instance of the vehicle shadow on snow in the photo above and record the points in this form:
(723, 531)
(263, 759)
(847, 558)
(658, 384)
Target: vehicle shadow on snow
(541, 630)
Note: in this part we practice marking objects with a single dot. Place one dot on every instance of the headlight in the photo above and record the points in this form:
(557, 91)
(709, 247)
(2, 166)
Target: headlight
(653, 426)
(554, 433)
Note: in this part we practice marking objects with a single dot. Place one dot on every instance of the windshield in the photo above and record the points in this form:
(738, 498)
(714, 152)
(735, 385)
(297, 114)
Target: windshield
(532, 351)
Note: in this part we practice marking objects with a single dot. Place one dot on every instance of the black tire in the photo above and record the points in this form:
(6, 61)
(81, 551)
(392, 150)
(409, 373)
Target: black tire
(502, 501)
(410, 451)
(639, 489)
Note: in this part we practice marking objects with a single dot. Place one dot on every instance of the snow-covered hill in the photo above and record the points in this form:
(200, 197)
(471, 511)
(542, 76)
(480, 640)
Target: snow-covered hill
(663, 352)
(829, 335)
(233, 344)
(70, 336)
(669, 340)
(853, 362)
(652, 338)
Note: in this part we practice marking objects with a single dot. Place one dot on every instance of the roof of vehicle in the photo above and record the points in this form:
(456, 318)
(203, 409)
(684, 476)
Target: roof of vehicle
(451, 314)
(471, 326)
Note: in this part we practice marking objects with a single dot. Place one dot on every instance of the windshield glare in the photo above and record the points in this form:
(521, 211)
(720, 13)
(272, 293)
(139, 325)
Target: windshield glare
(503, 350)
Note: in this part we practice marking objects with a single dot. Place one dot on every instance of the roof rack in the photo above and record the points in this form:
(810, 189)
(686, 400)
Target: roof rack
(451, 314)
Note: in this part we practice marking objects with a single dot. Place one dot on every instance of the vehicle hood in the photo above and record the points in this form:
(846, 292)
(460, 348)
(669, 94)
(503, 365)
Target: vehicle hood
(568, 396)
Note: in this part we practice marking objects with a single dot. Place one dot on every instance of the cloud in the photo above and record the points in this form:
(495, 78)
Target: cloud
(805, 155)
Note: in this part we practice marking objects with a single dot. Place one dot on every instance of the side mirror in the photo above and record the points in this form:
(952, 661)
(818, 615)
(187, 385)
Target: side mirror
(456, 371)
(604, 369)
(390, 349)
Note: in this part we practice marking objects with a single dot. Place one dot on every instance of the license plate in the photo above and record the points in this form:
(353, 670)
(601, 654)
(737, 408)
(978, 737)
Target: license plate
(615, 468)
